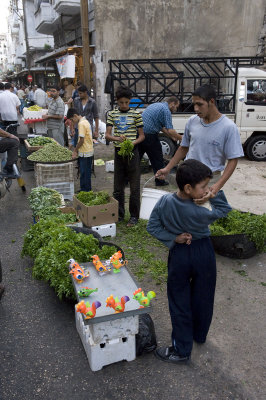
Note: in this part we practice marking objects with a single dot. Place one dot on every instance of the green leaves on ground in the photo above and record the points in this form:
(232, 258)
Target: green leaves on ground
(51, 244)
(236, 222)
(146, 255)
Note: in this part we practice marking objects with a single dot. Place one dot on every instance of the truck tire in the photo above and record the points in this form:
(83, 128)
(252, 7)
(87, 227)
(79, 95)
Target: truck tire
(256, 148)
(168, 146)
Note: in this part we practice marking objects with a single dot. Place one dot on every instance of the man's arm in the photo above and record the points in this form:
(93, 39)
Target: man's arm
(96, 132)
(228, 171)
(8, 135)
(179, 155)
(140, 138)
(172, 133)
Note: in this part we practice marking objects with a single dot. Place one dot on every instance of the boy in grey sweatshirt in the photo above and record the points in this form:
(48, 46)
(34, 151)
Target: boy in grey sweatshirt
(182, 225)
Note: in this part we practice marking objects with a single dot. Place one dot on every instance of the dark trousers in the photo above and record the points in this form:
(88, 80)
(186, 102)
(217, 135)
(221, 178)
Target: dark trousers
(127, 170)
(152, 146)
(190, 289)
(85, 173)
(11, 146)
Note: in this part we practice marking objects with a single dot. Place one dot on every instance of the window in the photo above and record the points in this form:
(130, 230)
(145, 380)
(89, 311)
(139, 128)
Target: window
(256, 91)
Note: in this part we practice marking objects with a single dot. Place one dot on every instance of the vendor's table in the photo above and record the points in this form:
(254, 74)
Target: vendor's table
(109, 337)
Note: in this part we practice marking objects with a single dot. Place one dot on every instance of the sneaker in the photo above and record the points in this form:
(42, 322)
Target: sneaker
(168, 354)
(132, 221)
(8, 172)
(161, 183)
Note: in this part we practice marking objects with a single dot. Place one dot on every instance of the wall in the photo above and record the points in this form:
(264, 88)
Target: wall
(173, 28)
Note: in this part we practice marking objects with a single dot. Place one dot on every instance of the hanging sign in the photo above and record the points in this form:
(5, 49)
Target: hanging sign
(66, 66)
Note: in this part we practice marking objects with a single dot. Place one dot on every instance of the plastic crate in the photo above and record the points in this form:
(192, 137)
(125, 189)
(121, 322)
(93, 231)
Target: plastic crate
(105, 230)
(65, 188)
(53, 173)
(120, 346)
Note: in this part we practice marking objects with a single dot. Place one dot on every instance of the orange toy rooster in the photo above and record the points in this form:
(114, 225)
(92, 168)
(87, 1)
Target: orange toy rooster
(117, 261)
(88, 310)
(118, 306)
(77, 271)
(102, 269)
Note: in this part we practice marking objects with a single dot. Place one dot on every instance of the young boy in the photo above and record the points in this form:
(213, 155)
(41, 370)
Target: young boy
(182, 225)
(127, 124)
(83, 149)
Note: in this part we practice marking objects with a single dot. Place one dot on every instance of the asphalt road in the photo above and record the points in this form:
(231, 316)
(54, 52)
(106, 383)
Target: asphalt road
(42, 357)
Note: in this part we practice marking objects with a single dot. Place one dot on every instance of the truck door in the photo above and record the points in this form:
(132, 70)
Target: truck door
(253, 110)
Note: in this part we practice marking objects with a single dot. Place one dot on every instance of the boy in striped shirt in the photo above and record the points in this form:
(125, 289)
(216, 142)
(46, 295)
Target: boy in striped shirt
(127, 124)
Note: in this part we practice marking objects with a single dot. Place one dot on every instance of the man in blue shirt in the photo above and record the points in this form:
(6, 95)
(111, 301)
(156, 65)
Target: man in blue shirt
(157, 118)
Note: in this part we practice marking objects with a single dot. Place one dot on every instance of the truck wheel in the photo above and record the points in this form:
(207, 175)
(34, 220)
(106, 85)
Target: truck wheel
(256, 148)
(168, 146)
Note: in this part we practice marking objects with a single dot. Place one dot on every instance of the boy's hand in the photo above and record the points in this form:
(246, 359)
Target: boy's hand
(74, 154)
(184, 238)
(121, 138)
(209, 195)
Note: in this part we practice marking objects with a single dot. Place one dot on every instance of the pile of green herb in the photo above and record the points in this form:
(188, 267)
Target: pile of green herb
(126, 149)
(42, 197)
(94, 198)
(54, 211)
(236, 222)
(51, 152)
(51, 244)
(39, 141)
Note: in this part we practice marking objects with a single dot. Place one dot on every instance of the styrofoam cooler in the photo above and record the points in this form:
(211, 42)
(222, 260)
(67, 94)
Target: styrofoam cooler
(105, 230)
(148, 200)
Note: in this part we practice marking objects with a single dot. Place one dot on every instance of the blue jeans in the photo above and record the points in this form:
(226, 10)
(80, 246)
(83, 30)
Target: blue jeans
(85, 173)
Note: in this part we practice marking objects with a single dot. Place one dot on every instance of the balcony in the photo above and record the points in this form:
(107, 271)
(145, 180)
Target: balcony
(67, 7)
(44, 19)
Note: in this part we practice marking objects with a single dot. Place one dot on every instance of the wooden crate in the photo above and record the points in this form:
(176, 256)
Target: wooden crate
(35, 148)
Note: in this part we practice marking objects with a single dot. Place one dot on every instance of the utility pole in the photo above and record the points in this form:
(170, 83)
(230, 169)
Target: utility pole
(28, 61)
(84, 13)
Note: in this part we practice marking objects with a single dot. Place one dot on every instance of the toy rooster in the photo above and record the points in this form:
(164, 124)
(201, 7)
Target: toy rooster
(102, 269)
(117, 261)
(118, 306)
(77, 271)
(144, 301)
(88, 310)
(86, 292)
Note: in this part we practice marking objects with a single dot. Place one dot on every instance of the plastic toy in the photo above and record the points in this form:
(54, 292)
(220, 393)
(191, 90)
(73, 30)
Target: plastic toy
(144, 301)
(88, 310)
(117, 261)
(118, 306)
(101, 268)
(86, 292)
(77, 271)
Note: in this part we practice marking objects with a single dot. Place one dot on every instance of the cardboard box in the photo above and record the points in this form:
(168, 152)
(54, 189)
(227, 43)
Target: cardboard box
(71, 210)
(97, 215)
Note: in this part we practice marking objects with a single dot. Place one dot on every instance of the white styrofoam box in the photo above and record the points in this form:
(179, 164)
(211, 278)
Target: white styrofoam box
(108, 351)
(105, 230)
(112, 329)
(110, 166)
(40, 127)
(27, 114)
(65, 188)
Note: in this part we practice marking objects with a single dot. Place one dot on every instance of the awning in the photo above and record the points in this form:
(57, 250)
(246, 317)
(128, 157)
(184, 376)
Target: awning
(35, 69)
(58, 52)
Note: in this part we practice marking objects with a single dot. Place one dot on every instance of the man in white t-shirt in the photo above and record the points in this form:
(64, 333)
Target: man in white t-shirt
(9, 106)
(40, 97)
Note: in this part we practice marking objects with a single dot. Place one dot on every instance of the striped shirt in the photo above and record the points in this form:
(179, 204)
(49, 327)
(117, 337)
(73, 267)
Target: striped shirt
(125, 123)
(155, 117)
(56, 107)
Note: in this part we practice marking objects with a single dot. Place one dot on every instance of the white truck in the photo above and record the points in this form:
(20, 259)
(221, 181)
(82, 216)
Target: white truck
(240, 86)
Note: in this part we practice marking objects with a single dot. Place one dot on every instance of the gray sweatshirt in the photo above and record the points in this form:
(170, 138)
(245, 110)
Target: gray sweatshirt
(172, 216)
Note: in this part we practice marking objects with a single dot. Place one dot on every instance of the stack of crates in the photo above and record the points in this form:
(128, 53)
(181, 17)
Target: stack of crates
(59, 177)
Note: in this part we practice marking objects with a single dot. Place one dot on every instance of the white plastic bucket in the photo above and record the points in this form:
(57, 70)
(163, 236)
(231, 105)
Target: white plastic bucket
(148, 200)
